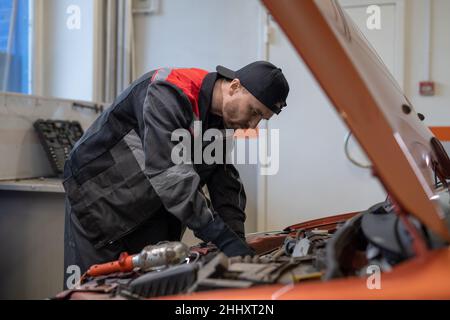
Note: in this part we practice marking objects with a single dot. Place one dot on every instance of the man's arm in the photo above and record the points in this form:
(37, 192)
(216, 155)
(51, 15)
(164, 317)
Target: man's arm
(166, 109)
(228, 197)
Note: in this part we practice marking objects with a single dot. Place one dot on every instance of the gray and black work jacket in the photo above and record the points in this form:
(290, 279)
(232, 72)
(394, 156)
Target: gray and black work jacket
(120, 172)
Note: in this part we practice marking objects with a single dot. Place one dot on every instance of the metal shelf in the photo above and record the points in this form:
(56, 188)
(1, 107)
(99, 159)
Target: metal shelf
(52, 185)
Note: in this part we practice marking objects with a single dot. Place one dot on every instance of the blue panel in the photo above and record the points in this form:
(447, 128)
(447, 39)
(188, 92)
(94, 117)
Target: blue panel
(19, 66)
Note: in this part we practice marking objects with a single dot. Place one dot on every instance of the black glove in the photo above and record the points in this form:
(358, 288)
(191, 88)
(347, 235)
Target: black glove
(219, 233)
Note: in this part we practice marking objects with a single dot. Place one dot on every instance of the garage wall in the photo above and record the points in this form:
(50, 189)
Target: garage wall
(200, 33)
(436, 109)
(66, 62)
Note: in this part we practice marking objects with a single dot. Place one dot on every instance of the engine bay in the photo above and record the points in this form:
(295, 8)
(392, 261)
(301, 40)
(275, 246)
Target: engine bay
(321, 250)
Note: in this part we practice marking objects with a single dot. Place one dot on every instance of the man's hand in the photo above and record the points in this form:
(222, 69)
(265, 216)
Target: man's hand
(219, 233)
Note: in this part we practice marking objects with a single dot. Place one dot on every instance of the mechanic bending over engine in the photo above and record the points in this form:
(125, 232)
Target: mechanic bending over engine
(123, 190)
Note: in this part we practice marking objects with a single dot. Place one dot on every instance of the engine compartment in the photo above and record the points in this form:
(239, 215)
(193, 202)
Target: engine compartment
(320, 250)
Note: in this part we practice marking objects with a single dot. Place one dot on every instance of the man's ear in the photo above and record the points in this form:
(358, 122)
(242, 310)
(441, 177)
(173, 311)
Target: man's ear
(235, 85)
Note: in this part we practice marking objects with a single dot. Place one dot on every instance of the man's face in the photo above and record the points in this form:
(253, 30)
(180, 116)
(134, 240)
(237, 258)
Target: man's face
(241, 110)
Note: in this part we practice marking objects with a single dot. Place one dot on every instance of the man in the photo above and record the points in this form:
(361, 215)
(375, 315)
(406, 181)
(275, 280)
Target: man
(123, 190)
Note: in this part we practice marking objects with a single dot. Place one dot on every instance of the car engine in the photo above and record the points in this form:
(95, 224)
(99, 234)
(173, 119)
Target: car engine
(345, 246)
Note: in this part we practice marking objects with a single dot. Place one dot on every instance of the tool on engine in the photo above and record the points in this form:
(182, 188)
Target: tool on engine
(304, 242)
(151, 258)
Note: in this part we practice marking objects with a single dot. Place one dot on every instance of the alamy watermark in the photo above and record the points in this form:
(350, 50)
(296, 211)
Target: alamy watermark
(222, 147)
(73, 21)
(374, 277)
(74, 278)
(373, 22)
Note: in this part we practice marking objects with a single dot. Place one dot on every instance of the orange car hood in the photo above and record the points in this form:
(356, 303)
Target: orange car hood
(369, 101)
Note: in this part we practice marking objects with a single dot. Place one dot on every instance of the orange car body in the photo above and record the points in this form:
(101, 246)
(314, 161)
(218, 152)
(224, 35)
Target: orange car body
(425, 277)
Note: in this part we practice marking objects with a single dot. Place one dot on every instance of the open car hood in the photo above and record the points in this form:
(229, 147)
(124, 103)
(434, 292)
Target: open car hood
(369, 101)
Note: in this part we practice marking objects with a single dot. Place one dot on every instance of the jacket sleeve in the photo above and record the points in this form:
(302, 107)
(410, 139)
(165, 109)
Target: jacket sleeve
(228, 197)
(166, 109)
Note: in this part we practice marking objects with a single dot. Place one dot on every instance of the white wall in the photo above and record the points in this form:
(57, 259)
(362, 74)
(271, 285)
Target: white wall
(198, 33)
(436, 109)
(67, 57)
